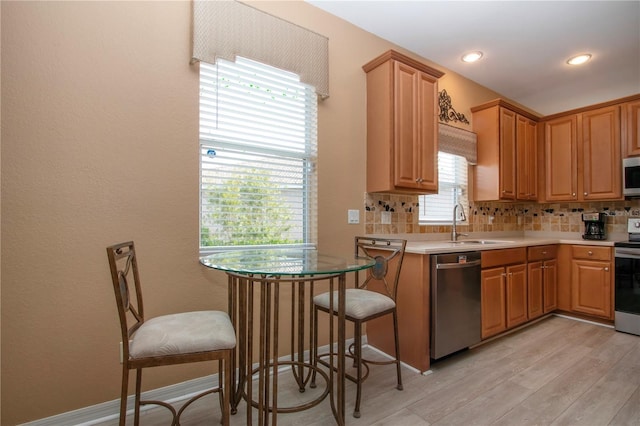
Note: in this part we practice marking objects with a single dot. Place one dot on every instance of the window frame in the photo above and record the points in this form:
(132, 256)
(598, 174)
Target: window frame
(463, 198)
(211, 137)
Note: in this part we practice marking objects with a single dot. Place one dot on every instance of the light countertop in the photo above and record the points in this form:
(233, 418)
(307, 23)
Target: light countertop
(499, 241)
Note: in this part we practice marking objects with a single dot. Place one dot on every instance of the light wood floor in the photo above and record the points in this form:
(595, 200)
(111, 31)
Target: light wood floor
(556, 372)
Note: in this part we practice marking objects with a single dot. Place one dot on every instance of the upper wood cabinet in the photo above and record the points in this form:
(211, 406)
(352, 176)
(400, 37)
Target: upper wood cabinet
(402, 125)
(583, 156)
(631, 128)
(526, 158)
(507, 152)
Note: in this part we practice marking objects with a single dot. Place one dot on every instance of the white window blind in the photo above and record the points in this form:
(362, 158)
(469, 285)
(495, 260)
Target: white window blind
(452, 189)
(258, 137)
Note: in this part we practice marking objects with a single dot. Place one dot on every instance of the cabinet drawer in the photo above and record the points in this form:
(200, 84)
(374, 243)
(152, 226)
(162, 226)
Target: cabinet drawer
(542, 252)
(492, 258)
(591, 252)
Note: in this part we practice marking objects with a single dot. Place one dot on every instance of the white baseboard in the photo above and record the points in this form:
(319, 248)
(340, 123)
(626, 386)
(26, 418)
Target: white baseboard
(172, 394)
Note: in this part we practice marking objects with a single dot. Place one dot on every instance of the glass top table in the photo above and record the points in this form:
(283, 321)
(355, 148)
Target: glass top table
(265, 270)
(280, 262)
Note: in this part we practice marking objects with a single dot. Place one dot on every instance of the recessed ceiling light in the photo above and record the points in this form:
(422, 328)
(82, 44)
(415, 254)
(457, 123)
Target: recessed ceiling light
(471, 56)
(579, 59)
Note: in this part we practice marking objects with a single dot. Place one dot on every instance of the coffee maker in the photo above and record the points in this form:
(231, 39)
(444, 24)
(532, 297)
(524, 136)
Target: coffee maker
(594, 228)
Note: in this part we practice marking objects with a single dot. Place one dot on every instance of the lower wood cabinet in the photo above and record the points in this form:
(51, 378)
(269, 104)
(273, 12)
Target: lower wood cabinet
(413, 315)
(542, 279)
(504, 290)
(516, 291)
(585, 280)
(494, 307)
(550, 286)
(591, 278)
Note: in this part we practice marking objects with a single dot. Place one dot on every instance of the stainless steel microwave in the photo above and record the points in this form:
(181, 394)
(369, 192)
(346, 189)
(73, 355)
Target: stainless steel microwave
(631, 176)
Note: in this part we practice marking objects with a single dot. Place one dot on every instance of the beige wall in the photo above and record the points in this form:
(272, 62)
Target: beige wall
(99, 132)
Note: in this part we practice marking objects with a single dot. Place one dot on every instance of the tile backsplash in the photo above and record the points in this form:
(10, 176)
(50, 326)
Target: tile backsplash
(498, 217)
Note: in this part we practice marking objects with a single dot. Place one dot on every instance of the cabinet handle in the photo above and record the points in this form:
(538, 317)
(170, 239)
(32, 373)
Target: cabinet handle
(419, 180)
(590, 253)
(544, 252)
(573, 194)
(586, 193)
(504, 274)
(606, 269)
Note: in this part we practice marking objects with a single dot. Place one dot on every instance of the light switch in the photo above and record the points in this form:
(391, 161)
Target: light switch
(353, 216)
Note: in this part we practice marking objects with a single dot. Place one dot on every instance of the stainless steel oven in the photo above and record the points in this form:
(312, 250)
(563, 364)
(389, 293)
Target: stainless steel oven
(627, 281)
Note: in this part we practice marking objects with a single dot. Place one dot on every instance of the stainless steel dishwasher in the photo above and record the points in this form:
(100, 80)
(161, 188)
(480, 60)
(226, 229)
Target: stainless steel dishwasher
(455, 302)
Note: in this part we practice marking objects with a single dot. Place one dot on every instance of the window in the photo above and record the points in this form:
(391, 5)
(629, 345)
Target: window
(257, 157)
(452, 189)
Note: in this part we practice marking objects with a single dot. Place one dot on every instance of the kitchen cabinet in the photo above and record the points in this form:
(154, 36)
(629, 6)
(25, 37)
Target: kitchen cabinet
(526, 158)
(631, 128)
(541, 280)
(494, 307)
(413, 316)
(503, 290)
(402, 126)
(583, 156)
(516, 293)
(507, 152)
(591, 278)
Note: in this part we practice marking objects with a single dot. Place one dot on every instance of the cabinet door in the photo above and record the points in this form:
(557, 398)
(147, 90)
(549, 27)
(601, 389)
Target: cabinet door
(493, 302)
(507, 154)
(550, 291)
(527, 159)
(428, 141)
(535, 279)
(560, 159)
(631, 125)
(415, 133)
(601, 160)
(406, 130)
(516, 293)
(591, 287)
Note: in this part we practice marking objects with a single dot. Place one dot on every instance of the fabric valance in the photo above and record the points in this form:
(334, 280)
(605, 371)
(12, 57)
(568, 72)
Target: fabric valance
(454, 140)
(226, 29)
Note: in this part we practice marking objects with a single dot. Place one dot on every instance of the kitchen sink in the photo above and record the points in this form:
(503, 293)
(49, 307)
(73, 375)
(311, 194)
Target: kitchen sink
(462, 242)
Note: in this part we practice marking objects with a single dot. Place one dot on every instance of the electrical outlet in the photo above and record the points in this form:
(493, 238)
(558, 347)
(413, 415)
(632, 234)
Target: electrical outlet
(385, 218)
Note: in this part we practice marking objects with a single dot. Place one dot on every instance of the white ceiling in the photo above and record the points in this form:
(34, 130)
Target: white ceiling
(525, 44)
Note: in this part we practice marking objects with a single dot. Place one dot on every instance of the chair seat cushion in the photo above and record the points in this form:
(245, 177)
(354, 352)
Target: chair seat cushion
(360, 304)
(183, 333)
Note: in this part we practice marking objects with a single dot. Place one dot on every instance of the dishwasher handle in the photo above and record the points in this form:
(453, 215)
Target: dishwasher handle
(457, 265)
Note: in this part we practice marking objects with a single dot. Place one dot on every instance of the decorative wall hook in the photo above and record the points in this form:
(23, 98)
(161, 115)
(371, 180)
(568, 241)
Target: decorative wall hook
(447, 113)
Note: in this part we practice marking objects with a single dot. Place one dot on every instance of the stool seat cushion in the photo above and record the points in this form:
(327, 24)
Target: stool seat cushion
(183, 333)
(359, 304)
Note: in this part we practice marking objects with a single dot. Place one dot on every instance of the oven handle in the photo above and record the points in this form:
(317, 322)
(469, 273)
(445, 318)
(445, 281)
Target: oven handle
(627, 254)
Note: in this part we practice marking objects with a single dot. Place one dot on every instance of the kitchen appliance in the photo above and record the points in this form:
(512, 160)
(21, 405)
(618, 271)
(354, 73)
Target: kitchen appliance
(455, 302)
(631, 177)
(594, 226)
(627, 280)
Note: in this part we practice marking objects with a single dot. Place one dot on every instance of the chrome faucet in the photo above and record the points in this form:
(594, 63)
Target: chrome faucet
(454, 232)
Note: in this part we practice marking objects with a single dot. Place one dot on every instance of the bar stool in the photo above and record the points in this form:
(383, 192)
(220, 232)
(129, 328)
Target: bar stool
(166, 340)
(364, 304)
